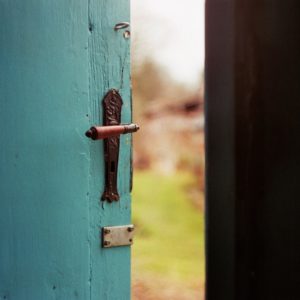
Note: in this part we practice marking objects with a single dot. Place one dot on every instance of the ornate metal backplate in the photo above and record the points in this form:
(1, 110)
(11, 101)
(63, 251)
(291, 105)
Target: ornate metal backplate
(112, 105)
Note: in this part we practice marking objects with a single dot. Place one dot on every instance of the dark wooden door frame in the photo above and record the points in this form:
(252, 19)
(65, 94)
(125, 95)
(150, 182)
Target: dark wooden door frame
(252, 149)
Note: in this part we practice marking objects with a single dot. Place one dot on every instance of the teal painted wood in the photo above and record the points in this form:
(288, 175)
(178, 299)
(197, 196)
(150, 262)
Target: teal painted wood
(53, 74)
(109, 55)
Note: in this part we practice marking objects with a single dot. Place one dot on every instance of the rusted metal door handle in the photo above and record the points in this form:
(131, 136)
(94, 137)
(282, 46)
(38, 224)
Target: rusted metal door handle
(110, 132)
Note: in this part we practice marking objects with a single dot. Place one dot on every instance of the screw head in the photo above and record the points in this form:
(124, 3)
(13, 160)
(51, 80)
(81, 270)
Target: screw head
(106, 231)
(126, 34)
(130, 229)
(106, 243)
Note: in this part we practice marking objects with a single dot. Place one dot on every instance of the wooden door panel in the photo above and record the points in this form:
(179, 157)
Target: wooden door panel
(109, 58)
(53, 74)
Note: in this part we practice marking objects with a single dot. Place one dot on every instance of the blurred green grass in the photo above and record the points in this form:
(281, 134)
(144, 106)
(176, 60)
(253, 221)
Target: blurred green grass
(169, 237)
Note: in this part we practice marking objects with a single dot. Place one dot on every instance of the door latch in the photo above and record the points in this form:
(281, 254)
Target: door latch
(110, 132)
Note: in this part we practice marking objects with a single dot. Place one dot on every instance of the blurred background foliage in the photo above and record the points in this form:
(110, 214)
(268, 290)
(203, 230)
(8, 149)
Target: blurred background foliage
(168, 207)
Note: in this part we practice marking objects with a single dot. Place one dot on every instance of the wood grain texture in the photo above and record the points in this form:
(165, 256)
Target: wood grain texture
(109, 55)
(252, 146)
(53, 73)
(219, 152)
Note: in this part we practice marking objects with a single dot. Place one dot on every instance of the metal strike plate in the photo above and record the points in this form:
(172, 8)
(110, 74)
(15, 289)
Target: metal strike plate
(115, 236)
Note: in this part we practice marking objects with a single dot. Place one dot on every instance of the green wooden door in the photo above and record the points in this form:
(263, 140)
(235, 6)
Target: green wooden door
(57, 61)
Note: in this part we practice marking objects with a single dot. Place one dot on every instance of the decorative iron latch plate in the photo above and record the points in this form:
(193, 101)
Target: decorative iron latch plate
(110, 133)
(112, 104)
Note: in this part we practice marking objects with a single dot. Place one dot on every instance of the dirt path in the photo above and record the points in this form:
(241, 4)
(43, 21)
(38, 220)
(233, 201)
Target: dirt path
(155, 289)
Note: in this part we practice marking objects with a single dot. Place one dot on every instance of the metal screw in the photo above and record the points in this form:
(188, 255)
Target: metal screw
(130, 240)
(126, 34)
(106, 243)
(130, 229)
(106, 231)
